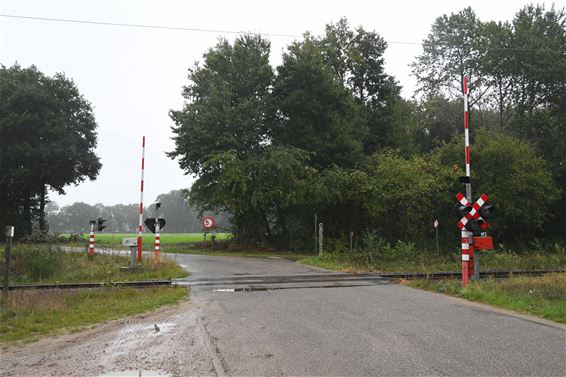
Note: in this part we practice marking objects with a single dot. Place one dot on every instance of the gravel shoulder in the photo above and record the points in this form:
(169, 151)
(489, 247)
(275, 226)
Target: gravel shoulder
(178, 346)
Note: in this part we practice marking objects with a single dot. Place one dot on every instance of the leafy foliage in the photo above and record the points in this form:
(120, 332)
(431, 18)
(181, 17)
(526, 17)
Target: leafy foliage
(327, 132)
(47, 141)
(516, 179)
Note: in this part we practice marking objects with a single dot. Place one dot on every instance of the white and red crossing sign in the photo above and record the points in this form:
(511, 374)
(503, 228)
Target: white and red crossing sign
(474, 212)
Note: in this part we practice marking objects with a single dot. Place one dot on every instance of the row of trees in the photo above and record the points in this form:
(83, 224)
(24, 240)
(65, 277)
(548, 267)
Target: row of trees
(328, 133)
(124, 218)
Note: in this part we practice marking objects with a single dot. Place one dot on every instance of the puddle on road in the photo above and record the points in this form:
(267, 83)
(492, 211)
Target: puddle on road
(135, 373)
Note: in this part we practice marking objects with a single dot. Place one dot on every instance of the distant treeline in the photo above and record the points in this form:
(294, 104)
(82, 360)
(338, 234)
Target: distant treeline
(124, 218)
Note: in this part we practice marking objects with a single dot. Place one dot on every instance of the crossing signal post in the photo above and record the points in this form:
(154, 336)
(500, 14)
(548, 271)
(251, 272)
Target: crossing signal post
(92, 223)
(99, 224)
(472, 216)
(155, 225)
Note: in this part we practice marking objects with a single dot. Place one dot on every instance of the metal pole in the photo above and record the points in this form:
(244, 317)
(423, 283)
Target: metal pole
(7, 256)
(467, 251)
(133, 259)
(157, 239)
(315, 230)
(91, 238)
(320, 238)
(140, 229)
(437, 253)
(351, 240)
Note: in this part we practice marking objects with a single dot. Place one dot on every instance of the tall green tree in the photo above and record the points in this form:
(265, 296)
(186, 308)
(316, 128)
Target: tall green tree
(453, 49)
(357, 58)
(314, 111)
(47, 142)
(224, 127)
(538, 67)
(226, 104)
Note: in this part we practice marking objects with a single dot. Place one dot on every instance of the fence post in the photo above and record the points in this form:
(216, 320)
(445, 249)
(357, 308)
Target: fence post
(7, 256)
(320, 238)
(315, 230)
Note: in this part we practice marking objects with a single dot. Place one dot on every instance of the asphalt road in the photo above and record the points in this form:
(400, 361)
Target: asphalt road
(321, 323)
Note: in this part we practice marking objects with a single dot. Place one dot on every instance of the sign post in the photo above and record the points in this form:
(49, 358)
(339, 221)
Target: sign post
(208, 223)
(436, 230)
(133, 244)
(320, 238)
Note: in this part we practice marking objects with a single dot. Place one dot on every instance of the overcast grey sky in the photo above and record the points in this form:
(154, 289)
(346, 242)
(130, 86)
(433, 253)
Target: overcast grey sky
(134, 76)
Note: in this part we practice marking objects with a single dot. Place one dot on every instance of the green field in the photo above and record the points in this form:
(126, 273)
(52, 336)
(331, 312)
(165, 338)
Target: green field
(148, 238)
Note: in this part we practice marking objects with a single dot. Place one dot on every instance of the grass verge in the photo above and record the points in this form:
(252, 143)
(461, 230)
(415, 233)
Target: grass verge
(27, 315)
(411, 260)
(234, 253)
(108, 239)
(544, 296)
(50, 264)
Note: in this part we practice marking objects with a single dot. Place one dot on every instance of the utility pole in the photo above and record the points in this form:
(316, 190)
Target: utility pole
(7, 256)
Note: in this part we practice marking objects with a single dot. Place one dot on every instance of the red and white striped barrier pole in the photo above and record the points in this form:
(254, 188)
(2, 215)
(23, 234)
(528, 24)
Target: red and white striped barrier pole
(467, 236)
(140, 229)
(157, 240)
(91, 239)
(467, 133)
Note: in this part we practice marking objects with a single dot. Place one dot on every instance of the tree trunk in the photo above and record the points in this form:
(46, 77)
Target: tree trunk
(27, 215)
(281, 220)
(266, 225)
(42, 200)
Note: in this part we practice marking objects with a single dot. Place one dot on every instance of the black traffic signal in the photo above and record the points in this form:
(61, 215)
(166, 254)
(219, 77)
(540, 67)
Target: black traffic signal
(461, 210)
(101, 221)
(486, 211)
(474, 225)
(150, 224)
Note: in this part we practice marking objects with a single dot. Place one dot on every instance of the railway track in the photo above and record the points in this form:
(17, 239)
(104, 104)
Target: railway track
(457, 274)
(342, 278)
(131, 284)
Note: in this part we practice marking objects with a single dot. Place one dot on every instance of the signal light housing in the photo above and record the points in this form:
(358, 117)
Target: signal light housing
(101, 221)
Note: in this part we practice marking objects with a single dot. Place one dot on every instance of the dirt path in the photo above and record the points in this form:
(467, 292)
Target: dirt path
(171, 342)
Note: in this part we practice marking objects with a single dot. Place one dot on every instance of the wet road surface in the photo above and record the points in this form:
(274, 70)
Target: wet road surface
(262, 321)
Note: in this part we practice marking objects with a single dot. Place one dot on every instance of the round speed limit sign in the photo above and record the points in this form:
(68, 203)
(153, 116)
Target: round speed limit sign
(208, 222)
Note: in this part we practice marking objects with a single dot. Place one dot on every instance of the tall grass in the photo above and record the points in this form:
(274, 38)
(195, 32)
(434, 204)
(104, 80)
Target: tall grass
(50, 264)
(544, 295)
(377, 255)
